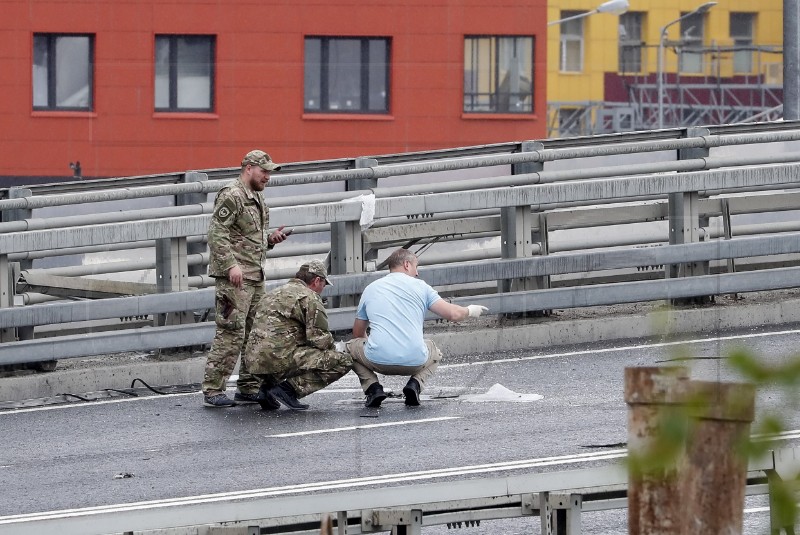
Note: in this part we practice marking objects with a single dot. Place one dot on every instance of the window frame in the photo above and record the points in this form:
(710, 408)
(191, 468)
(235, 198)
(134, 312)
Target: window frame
(743, 56)
(173, 106)
(365, 68)
(52, 73)
(471, 104)
(631, 45)
(565, 37)
(688, 23)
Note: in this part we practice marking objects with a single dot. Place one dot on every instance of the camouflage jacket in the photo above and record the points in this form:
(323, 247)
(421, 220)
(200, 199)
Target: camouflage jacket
(238, 232)
(289, 317)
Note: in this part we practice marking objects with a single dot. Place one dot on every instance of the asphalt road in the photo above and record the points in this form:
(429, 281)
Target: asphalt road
(159, 447)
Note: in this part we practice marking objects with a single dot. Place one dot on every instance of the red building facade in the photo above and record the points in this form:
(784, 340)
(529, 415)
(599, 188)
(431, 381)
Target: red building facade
(132, 87)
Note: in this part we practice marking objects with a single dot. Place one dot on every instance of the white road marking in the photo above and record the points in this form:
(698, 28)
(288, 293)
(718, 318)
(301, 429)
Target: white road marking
(325, 485)
(92, 403)
(756, 510)
(354, 427)
(442, 367)
(332, 485)
(624, 348)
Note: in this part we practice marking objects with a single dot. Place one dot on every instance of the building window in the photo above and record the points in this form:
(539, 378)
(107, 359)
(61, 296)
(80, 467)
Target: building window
(498, 74)
(571, 42)
(690, 58)
(630, 41)
(742, 36)
(63, 69)
(184, 80)
(346, 75)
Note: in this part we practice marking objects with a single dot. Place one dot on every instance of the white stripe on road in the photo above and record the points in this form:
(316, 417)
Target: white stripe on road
(624, 348)
(326, 485)
(332, 485)
(92, 403)
(441, 367)
(756, 510)
(354, 427)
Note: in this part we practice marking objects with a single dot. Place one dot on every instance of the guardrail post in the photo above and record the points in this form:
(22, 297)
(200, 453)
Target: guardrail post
(347, 246)
(786, 465)
(517, 224)
(654, 505)
(6, 295)
(685, 222)
(400, 521)
(565, 513)
(9, 271)
(185, 199)
(341, 523)
(359, 184)
(715, 475)
(172, 275)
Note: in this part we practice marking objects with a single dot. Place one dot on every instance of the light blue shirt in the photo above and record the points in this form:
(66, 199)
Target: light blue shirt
(395, 307)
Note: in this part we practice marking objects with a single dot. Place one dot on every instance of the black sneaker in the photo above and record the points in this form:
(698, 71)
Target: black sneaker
(286, 395)
(218, 401)
(375, 395)
(411, 392)
(245, 399)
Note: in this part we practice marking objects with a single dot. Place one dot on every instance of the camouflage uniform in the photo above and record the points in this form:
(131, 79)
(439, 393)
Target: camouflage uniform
(237, 235)
(290, 341)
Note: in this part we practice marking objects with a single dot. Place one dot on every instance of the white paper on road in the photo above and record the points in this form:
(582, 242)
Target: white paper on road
(500, 393)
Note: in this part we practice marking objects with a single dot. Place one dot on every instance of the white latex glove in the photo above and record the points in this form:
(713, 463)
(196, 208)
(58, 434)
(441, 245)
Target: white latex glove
(340, 346)
(476, 310)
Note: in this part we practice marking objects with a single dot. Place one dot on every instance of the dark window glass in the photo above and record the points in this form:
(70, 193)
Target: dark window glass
(63, 69)
(630, 42)
(690, 59)
(184, 79)
(742, 35)
(346, 75)
(498, 74)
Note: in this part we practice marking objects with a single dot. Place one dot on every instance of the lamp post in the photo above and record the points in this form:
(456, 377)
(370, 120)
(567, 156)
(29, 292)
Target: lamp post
(615, 7)
(662, 39)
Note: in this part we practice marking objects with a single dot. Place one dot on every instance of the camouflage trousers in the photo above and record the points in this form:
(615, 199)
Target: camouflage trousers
(306, 368)
(235, 310)
(365, 368)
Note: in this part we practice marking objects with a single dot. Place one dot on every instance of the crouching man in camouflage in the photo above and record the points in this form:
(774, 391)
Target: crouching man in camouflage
(290, 347)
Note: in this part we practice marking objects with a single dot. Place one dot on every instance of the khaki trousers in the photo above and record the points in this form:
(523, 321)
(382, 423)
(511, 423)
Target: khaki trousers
(365, 369)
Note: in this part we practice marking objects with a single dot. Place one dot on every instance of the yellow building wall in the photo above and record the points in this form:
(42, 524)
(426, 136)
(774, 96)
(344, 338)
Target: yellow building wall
(601, 40)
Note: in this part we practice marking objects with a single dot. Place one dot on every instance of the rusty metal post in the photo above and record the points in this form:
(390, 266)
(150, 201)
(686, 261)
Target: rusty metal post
(654, 505)
(714, 481)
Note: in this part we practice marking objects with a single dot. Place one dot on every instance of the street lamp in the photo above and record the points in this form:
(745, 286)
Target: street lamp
(662, 39)
(615, 7)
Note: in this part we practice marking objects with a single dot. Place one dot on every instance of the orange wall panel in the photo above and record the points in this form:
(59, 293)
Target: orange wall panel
(258, 83)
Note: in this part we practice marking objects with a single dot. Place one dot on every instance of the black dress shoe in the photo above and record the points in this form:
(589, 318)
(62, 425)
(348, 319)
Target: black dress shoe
(411, 392)
(375, 395)
(286, 395)
(267, 400)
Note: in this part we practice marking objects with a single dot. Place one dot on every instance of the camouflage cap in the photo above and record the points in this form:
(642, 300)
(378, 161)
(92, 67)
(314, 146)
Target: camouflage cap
(261, 159)
(315, 267)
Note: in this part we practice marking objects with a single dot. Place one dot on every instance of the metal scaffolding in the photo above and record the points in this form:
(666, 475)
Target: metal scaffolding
(709, 97)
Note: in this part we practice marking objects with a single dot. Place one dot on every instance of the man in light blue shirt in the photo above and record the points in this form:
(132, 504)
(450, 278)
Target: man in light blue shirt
(394, 308)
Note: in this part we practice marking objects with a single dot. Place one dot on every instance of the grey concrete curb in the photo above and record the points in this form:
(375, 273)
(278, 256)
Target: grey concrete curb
(459, 341)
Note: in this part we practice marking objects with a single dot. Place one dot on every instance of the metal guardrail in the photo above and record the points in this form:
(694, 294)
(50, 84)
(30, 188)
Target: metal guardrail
(528, 209)
(555, 497)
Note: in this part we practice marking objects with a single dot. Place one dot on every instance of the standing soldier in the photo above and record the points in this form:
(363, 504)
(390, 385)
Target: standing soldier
(238, 241)
(290, 347)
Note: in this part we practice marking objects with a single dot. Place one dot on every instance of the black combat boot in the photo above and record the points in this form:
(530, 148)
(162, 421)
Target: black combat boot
(375, 395)
(266, 399)
(286, 395)
(411, 392)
